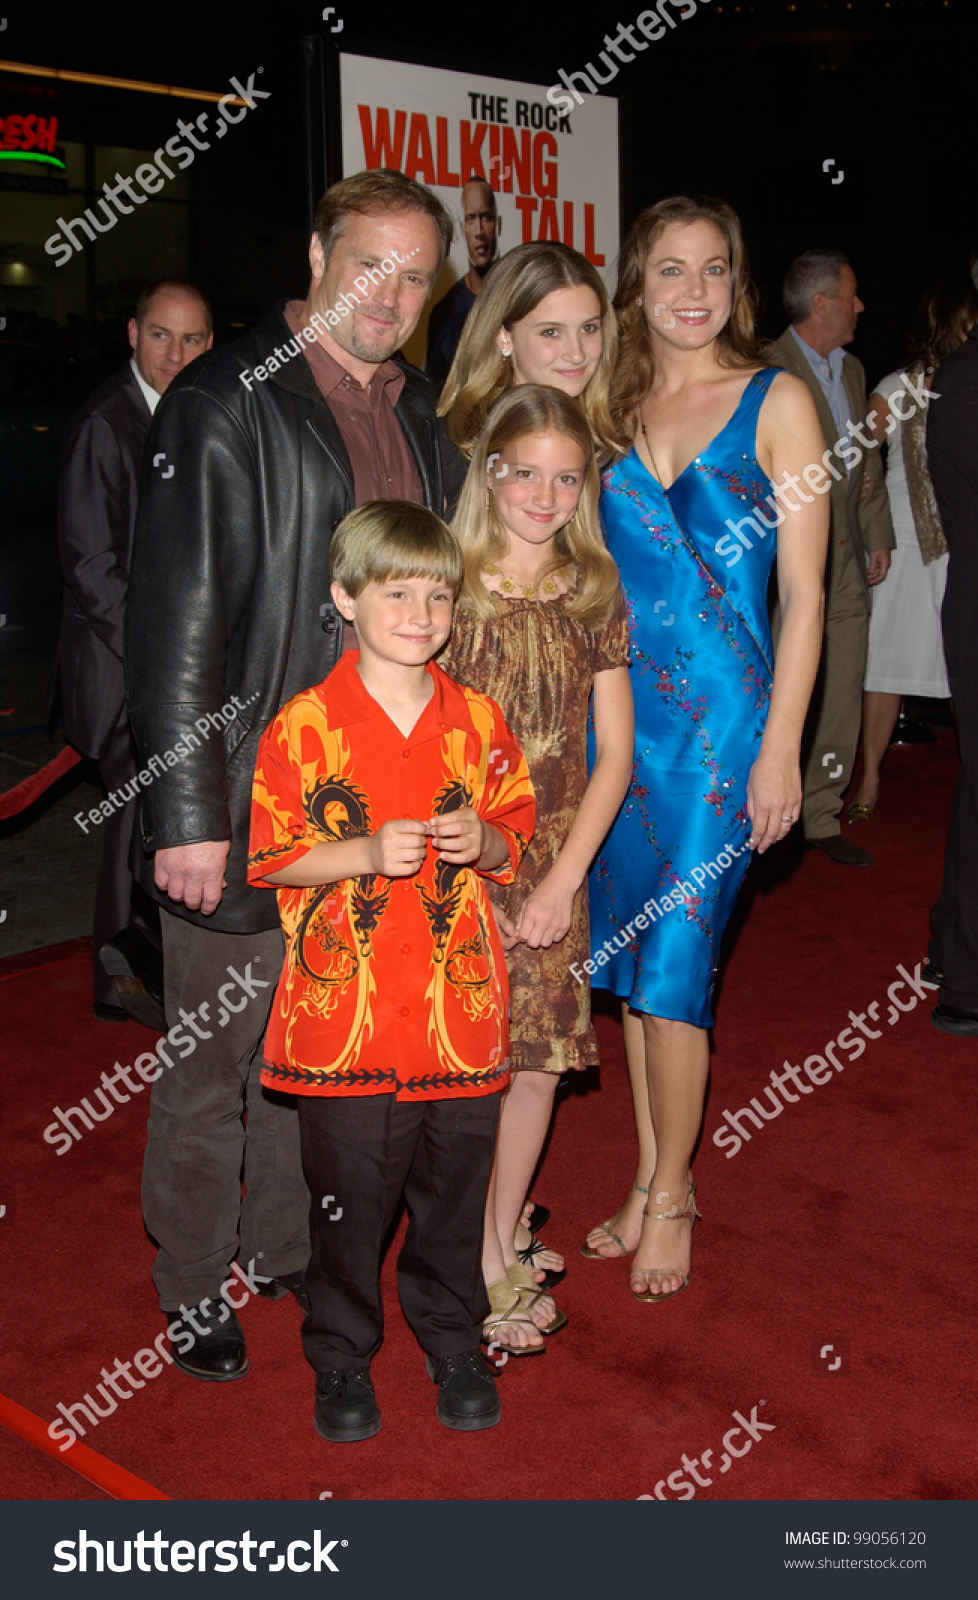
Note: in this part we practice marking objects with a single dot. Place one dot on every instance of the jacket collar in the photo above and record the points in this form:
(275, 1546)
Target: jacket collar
(347, 701)
(412, 411)
(135, 394)
(295, 375)
(787, 354)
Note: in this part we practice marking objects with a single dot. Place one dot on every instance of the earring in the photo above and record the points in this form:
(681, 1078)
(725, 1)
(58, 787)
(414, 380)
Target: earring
(507, 353)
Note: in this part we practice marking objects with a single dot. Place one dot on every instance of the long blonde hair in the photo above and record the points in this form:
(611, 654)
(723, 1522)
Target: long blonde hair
(533, 409)
(480, 373)
(736, 345)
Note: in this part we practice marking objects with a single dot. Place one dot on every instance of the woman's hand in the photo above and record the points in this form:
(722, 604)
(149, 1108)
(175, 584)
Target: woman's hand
(546, 914)
(774, 796)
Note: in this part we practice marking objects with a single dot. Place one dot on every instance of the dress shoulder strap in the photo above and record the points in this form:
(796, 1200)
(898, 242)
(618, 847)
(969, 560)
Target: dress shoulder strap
(753, 398)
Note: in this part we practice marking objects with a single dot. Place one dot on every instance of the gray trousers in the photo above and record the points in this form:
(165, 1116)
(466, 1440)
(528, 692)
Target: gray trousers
(198, 1151)
(119, 902)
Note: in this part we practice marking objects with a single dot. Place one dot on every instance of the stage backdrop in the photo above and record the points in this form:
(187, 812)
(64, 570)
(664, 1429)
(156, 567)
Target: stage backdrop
(554, 172)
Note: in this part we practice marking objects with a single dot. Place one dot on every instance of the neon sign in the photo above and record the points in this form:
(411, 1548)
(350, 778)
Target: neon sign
(32, 155)
(26, 134)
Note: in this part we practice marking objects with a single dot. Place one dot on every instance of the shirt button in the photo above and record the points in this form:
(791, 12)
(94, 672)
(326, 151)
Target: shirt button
(405, 754)
(405, 949)
(405, 1011)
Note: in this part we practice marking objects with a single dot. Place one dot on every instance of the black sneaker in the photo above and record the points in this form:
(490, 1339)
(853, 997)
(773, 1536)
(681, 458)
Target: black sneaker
(467, 1394)
(346, 1406)
(950, 1019)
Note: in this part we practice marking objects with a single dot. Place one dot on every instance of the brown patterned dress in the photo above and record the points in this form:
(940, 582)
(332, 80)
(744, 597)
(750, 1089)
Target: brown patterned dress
(538, 664)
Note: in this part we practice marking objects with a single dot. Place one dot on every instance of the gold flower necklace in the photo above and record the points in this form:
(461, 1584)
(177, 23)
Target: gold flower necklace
(527, 591)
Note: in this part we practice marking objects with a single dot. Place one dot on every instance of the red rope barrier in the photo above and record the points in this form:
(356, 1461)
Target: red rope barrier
(105, 1475)
(24, 794)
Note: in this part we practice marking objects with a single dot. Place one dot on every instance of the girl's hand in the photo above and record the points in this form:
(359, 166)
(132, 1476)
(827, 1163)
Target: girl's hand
(509, 933)
(545, 915)
(774, 796)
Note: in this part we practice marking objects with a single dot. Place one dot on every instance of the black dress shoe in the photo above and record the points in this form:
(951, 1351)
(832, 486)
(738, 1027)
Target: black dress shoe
(137, 967)
(286, 1283)
(931, 975)
(842, 850)
(102, 1011)
(218, 1353)
(910, 730)
(467, 1395)
(346, 1406)
(949, 1019)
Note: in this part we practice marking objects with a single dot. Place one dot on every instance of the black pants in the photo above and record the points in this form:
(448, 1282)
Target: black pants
(360, 1155)
(119, 901)
(954, 919)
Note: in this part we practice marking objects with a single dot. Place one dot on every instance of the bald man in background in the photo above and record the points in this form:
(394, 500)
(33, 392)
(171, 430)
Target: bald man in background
(480, 225)
(101, 462)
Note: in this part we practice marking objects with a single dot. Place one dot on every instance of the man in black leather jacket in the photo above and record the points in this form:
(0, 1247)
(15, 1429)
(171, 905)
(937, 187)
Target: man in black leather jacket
(256, 453)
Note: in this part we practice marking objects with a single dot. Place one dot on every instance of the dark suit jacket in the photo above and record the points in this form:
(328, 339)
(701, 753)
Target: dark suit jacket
(952, 452)
(865, 524)
(100, 465)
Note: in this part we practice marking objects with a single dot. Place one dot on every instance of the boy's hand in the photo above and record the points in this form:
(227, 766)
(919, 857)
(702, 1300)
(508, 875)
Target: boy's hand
(458, 836)
(398, 848)
(546, 915)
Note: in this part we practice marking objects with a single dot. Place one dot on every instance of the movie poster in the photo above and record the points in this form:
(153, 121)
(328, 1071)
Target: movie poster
(552, 166)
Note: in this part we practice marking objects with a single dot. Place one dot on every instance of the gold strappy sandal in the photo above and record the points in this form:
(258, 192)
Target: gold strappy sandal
(597, 1255)
(529, 1293)
(689, 1214)
(506, 1308)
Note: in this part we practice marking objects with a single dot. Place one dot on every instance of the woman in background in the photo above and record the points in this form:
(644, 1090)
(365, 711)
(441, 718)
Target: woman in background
(906, 652)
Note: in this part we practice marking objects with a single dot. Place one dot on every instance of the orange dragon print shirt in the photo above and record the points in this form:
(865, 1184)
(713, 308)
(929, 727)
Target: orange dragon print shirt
(390, 985)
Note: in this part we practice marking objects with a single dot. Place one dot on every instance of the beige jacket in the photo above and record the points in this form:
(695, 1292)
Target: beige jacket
(862, 523)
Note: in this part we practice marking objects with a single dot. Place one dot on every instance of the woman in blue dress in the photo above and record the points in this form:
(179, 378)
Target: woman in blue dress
(719, 446)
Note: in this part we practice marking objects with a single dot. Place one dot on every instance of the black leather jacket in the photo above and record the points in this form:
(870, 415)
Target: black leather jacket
(229, 589)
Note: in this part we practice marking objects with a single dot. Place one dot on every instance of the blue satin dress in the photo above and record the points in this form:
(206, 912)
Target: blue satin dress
(701, 678)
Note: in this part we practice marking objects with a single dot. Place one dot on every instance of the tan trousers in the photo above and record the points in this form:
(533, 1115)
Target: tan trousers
(832, 728)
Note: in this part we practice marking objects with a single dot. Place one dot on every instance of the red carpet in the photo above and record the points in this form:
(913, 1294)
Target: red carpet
(846, 1221)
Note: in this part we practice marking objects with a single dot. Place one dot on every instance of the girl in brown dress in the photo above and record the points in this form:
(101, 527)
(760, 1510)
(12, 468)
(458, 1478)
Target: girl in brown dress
(541, 627)
(543, 316)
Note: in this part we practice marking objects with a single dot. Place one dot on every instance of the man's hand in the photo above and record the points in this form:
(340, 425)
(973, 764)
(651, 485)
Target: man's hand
(878, 566)
(193, 873)
(398, 848)
(458, 836)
